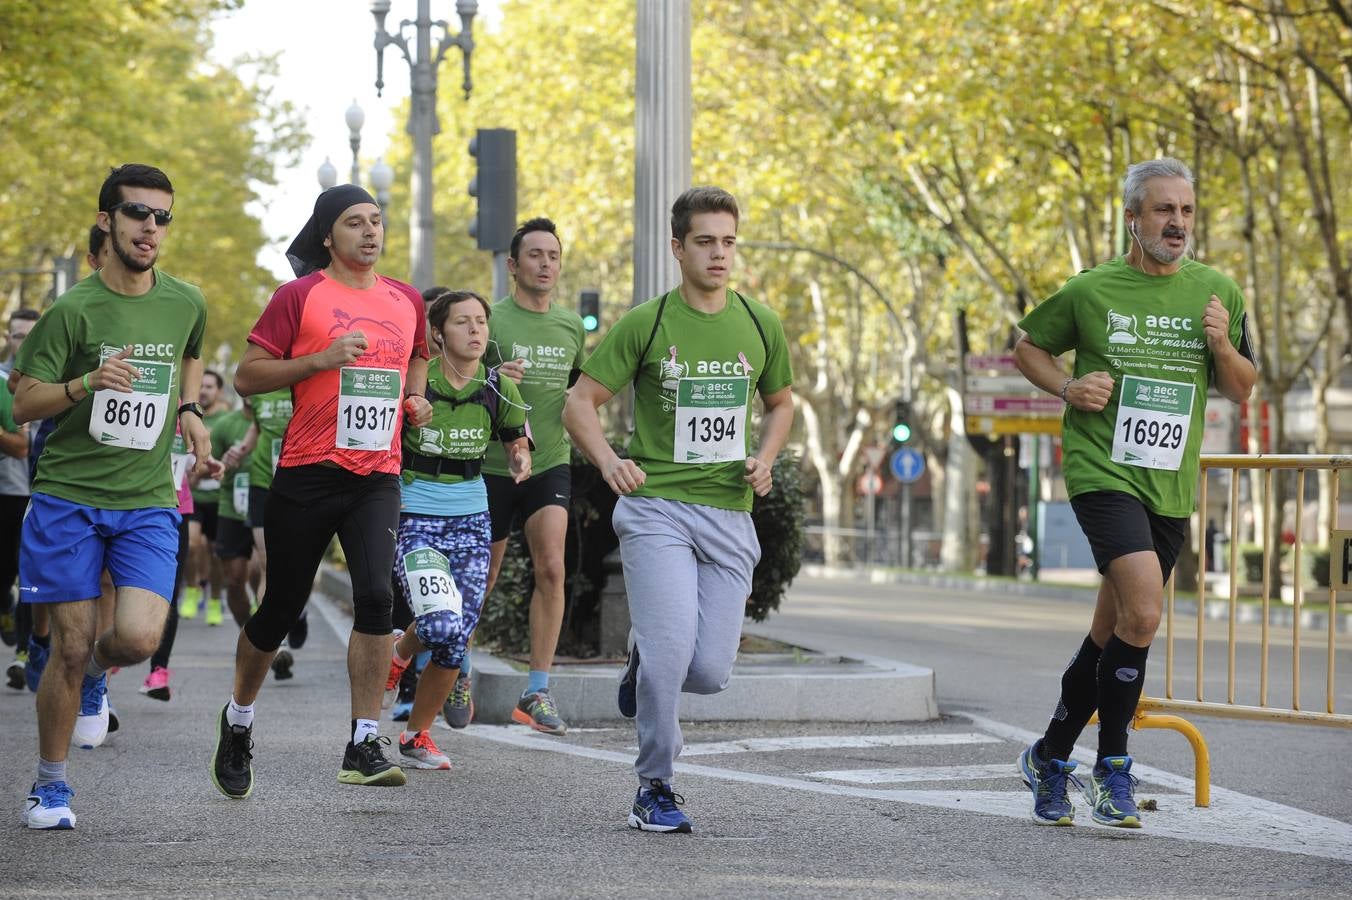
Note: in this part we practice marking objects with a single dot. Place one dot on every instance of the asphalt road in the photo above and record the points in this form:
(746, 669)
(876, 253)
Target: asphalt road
(781, 809)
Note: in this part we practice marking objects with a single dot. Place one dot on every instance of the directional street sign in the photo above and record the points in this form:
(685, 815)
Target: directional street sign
(999, 425)
(993, 405)
(907, 465)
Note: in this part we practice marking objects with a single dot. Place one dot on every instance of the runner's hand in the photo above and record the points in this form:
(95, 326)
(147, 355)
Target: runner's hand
(214, 468)
(1090, 393)
(116, 374)
(624, 476)
(520, 463)
(514, 369)
(1216, 324)
(196, 439)
(758, 475)
(234, 457)
(417, 410)
(345, 349)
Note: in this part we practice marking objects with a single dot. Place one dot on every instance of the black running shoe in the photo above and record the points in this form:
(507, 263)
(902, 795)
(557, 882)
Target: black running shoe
(365, 764)
(231, 770)
(281, 665)
(299, 632)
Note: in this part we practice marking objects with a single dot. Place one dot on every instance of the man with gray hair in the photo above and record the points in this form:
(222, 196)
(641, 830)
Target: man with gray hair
(1152, 330)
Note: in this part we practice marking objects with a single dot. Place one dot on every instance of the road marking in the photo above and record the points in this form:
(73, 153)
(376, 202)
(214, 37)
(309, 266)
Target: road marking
(916, 773)
(835, 742)
(1233, 819)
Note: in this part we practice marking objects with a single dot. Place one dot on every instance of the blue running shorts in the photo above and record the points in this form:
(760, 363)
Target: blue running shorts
(66, 546)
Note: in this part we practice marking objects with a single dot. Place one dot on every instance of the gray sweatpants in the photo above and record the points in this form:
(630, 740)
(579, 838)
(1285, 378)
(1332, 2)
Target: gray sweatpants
(687, 571)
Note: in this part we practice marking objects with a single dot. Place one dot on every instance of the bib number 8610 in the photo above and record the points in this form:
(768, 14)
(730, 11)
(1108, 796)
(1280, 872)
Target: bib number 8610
(1153, 433)
(129, 412)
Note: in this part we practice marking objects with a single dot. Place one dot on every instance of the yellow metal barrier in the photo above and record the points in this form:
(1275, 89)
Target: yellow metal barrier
(1147, 709)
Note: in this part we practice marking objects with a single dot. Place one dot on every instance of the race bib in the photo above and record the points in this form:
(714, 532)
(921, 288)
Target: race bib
(179, 460)
(276, 453)
(1153, 418)
(368, 408)
(710, 419)
(134, 420)
(430, 585)
(239, 493)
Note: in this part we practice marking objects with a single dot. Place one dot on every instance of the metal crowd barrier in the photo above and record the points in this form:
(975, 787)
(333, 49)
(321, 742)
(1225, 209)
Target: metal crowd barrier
(1156, 712)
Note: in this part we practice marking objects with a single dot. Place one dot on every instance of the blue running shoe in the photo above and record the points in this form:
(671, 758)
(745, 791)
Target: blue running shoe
(627, 697)
(1112, 792)
(655, 809)
(91, 725)
(48, 807)
(1047, 780)
(37, 661)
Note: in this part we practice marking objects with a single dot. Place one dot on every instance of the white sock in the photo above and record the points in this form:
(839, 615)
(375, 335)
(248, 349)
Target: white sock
(93, 669)
(239, 715)
(363, 729)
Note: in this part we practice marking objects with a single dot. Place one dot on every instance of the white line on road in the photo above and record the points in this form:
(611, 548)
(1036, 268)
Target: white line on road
(834, 742)
(1233, 819)
(916, 773)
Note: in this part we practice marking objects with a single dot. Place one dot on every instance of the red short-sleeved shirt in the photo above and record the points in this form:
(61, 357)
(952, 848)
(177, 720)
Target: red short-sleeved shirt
(303, 317)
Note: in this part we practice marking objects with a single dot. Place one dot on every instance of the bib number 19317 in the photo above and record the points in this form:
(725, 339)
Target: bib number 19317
(368, 408)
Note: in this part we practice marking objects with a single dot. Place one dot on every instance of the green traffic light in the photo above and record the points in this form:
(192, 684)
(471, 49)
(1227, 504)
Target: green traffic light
(590, 323)
(901, 432)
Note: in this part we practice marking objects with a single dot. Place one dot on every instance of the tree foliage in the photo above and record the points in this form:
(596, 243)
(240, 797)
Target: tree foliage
(86, 87)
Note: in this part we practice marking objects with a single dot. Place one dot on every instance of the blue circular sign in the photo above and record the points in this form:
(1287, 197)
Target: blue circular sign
(907, 465)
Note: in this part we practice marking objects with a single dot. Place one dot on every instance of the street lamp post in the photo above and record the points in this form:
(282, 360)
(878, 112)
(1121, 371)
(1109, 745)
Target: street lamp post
(382, 179)
(422, 116)
(356, 118)
(327, 174)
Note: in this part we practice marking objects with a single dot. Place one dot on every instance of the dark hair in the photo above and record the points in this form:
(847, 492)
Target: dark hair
(96, 238)
(220, 382)
(441, 307)
(539, 223)
(24, 314)
(700, 200)
(130, 175)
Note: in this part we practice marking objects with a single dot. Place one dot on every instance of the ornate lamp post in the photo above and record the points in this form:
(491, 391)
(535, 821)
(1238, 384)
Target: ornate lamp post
(422, 116)
(355, 118)
(327, 174)
(382, 179)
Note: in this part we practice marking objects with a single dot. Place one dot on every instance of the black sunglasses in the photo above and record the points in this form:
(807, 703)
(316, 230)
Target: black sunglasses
(140, 212)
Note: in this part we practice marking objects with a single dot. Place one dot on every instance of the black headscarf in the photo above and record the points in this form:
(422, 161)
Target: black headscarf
(307, 252)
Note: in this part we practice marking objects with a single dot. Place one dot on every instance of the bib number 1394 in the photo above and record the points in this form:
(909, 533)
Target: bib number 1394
(368, 408)
(134, 420)
(710, 420)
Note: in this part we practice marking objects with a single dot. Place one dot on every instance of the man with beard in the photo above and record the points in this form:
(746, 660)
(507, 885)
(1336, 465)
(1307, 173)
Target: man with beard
(117, 358)
(1167, 328)
(351, 346)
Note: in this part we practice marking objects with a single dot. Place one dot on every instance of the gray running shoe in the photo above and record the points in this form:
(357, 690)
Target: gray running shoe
(459, 707)
(539, 712)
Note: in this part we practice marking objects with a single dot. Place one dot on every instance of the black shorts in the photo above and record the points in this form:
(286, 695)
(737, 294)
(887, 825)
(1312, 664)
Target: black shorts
(234, 538)
(258, 501)
(511, 504)
(205, 513)
(1117, 523)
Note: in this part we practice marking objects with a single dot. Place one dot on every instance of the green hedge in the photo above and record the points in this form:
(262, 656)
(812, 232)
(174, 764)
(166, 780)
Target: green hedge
(505, 621)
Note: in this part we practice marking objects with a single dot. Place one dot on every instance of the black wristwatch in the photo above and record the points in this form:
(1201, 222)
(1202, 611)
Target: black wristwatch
(194, 407)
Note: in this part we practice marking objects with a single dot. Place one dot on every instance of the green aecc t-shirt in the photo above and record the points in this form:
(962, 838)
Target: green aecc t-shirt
(85, 326)
(552, 343)
(692, 407)
(229, 430)
(272, 413)
(460, 430)
(1146, 332)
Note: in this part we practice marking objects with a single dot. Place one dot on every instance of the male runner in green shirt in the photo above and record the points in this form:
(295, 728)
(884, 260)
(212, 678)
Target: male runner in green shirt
(1151, 331)
(538, 344)
(696, 356)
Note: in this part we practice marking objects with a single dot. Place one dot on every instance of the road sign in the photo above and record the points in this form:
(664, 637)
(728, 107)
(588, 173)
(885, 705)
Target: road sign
(990, 362)
(999, 425)
(907, 465)
(1004, 405)
(870, 484)
(1004, 383)
(873, 455)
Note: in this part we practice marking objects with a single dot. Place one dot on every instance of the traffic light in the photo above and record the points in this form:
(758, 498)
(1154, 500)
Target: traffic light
(901, 418)
(494, 186)
(589, 308)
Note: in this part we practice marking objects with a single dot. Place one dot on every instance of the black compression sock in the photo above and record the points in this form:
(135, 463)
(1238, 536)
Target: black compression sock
(1079, 699)
(1121, 674)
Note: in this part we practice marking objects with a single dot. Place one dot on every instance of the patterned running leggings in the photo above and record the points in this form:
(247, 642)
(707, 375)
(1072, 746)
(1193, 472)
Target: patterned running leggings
(463, 542)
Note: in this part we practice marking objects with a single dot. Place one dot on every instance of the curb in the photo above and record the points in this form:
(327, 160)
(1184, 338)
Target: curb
(1280, 615)
(809, 687)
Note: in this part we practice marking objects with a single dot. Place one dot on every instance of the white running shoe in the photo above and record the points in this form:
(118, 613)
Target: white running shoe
(48, 807)
(91, 725)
